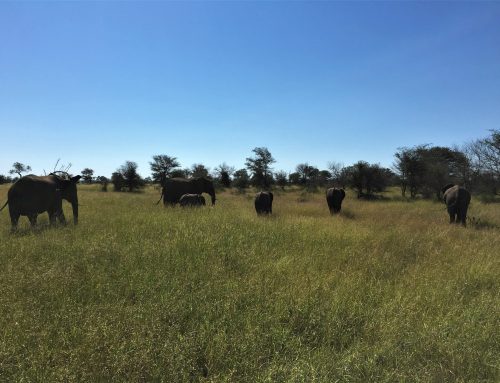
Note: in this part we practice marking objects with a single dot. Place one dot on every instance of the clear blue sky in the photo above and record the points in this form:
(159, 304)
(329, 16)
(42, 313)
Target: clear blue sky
(99, 83)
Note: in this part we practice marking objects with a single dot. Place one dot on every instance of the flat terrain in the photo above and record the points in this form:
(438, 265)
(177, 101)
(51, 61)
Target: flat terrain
(387, 291)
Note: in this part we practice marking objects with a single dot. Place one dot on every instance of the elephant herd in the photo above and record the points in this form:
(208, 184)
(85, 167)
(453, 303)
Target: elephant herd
(32, 195)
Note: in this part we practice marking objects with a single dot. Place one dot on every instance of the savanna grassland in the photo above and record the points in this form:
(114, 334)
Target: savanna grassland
(387, 291)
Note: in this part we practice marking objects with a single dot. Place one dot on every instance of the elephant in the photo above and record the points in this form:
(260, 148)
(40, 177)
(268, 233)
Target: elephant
(174, 188)
(264, 203)
(334, 198)
(457, 200)
(32, 195)
(192, 200)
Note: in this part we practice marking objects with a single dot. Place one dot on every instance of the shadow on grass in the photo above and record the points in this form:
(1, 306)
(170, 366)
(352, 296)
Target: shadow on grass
(481, 224)
(347, 214)
(267, 216)
(36, 230)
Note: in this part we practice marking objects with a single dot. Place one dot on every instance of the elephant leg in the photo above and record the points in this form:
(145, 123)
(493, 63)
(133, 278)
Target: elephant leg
(33, 218)
(465, 216)
(452, 212)
(14, 219)
(452, 217)
(462, 217)
(52, 217)
(58, 212)
(61, 217)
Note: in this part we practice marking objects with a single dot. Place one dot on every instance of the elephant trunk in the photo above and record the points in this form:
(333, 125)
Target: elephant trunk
(74, 204)
(211, 191)
(212, 194)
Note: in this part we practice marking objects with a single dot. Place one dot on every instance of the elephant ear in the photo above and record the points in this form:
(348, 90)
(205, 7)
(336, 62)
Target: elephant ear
(75, 179)
(271, 196)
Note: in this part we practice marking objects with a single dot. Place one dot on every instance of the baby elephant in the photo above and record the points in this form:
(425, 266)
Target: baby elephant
(264, 203)
(334, 198)
(192, 200)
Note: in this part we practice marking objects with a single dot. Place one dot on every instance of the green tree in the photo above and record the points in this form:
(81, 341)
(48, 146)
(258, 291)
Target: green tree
(127, 177)
(323, 177)
(410, 169)
(223, 174)
(104, 181)
(307, 173)
(241, 179)
(426, 169)
(484, 159)
(87, 175)
(294, 178)
(338, 174)
(5, 179)
(281, 178)
(180, 173)
(367, 179)
(162, 167)
(19, 168)
(118, 181)
(199, 170)
(259, 167)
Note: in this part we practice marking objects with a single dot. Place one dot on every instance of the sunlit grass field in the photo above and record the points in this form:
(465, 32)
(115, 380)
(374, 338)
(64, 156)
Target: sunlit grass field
(387, 291)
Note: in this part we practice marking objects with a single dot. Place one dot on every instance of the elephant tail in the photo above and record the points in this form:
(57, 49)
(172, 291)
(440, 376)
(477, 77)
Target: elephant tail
(161, 196)
(6, 203)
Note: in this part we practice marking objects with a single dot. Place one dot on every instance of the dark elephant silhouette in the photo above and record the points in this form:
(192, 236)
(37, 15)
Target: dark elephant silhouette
(334, 198)
(457, 200)
(264, 203)
(174, 188)
(32, 195)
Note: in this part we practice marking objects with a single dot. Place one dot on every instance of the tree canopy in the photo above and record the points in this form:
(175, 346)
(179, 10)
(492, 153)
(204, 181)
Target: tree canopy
(19, 168)
(162, 167)
(259, 167)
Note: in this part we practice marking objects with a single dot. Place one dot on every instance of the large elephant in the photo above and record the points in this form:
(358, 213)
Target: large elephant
(32, 195)
(264, 203)
(334, 198)
(457, 200)
(192, 200)
(174, 188)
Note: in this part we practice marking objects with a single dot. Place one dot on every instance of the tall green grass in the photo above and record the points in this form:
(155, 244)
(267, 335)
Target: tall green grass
(386, 291)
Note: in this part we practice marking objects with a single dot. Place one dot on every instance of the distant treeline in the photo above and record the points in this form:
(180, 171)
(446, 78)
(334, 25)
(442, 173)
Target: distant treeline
(419, 171)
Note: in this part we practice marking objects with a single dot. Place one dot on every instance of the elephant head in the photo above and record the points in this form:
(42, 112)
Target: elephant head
(207, 186)
(334, 198)
(67, 188)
